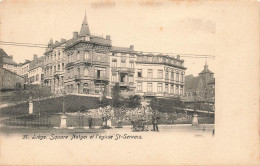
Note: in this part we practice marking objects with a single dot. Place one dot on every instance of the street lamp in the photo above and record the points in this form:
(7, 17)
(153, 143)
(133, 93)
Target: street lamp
(63, 103)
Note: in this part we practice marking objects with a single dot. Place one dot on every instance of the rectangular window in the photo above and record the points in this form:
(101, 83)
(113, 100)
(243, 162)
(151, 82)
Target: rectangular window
(114, 63)
(86, 55)
(68, 73)
(181, 77)
(171, 90)
(160, 74)
(166, 88)
(177, 90)
(181, 91)
(85, 71)
(131, 64)
(58, 67)
(159, 87)
(62, 66)
(172, 75)
(37, 77)
(150, 73)
(166, 75)
(149, 87)
(139, 73)
(177, 76)
(139, 86)
(122, 63)
(114, 77)
(131, 78)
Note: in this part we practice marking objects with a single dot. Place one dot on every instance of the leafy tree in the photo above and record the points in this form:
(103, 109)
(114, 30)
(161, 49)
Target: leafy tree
(116, 96)
(104, 101)
(133, 101)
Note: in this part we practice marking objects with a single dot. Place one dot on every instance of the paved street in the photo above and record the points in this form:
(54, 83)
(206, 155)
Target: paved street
(203, 130)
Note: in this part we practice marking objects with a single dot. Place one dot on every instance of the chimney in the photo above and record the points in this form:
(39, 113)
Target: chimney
(178, 57)
(132, 47)
(108, 37)
(75, 35)
(50, 42)
(62, 40)
(35, 58)
(11, 57)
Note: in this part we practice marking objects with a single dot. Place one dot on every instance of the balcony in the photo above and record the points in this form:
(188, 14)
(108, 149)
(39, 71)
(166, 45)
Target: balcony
(101, 78)
(123, 83)
(57, 73)
(77, 77)
(87, 61)
(69, 64)
(125, 70)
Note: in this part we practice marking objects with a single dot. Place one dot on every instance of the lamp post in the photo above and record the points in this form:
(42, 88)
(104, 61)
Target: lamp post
(195, 116)
(63, 122)
(63, 101)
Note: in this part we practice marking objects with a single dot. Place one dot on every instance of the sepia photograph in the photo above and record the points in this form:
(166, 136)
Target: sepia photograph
(104, 82)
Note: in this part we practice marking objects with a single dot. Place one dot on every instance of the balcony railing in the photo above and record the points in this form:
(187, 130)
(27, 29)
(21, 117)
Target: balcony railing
(102, 78)
(57, 72)
(125, 69)
(77, 77)
(69, 64)
(123, 83)
(87, 60)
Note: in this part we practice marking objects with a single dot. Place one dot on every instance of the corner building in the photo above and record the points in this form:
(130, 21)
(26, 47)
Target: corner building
(87, 62)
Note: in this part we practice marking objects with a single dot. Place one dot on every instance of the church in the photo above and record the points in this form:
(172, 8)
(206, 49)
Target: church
(200, 90)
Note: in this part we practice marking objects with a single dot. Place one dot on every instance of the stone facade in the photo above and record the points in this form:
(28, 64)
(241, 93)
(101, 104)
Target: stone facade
(93, 66)
(159, 75)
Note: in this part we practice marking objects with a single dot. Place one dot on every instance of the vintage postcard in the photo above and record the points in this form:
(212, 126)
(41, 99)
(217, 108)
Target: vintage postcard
(129, 82)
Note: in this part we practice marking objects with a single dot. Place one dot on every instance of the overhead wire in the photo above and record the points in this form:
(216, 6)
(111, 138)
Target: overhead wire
(184, 55)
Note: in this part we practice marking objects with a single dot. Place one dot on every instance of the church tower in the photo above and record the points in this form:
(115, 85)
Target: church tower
(206, 74)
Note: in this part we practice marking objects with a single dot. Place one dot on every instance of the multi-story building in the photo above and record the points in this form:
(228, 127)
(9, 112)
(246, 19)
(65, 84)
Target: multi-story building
(159, 75)
(25, 71)
(35, 73)
(54, 66)
(122, 65)
(9, 64)
(89, 64)
(9, 80)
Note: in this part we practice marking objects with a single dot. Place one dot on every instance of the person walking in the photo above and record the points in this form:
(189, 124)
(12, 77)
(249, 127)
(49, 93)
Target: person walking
(155, 122)
(90, 122)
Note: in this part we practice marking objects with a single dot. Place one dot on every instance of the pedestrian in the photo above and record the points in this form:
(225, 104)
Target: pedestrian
(155, 122)
(90, 122)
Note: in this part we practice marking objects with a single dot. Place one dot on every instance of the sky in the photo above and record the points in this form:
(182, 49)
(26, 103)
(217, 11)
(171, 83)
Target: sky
(170, 27)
